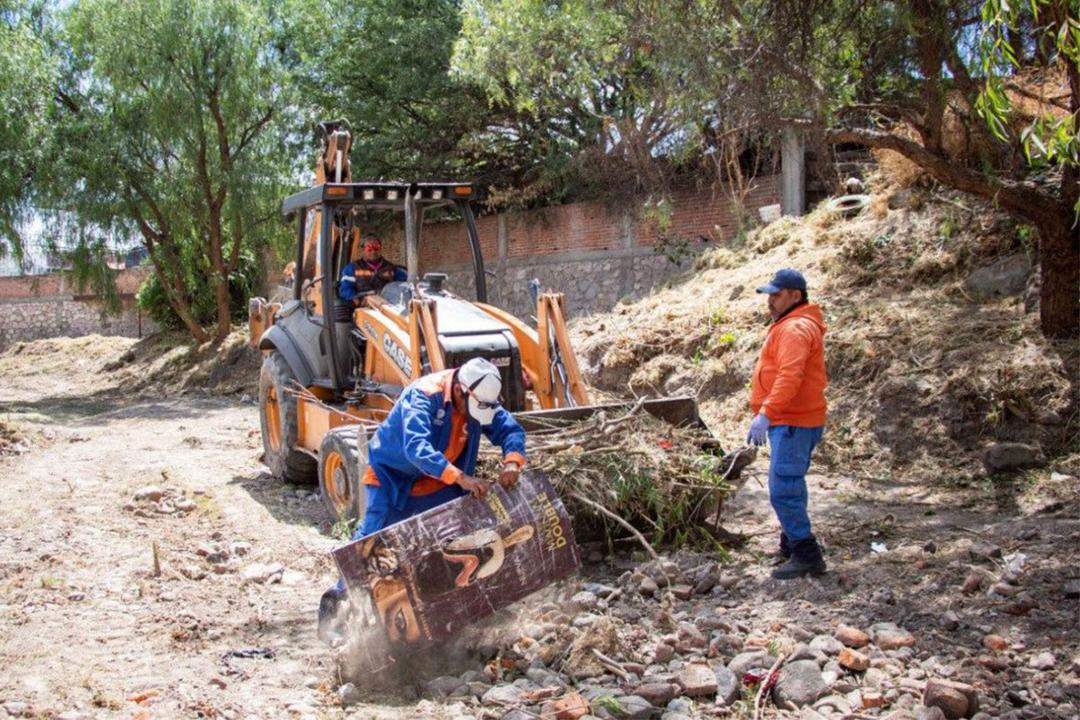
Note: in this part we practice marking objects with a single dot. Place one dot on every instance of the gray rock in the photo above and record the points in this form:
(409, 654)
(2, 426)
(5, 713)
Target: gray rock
(648, 587)
(1008, 276)
(14, 708)
(930, 713)
(150, 493)
(502, 695)
(827, 644)
(1043, 661)
(599, 590)
(728, 687)
(803, 651)
(1005, 456)
(743, 662)
(635, 707)
(262, 573)
(348, 694)
(800, 683)
(657, 693)
(584, 600)
(1072, 589)
(696, 679)
(443, 686)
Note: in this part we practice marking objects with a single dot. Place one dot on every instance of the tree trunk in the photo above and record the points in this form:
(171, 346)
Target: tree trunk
(1059, 254)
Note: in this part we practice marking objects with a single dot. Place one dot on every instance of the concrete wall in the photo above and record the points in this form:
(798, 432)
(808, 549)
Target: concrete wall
(43, 306)
(594, 254)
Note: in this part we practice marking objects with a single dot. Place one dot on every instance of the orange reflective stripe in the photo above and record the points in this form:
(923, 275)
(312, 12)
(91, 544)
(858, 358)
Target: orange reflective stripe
(515, 457)
(369, 478)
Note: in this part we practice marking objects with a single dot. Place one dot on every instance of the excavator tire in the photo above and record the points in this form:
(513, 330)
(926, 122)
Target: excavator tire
(342, 458)
(277, 417)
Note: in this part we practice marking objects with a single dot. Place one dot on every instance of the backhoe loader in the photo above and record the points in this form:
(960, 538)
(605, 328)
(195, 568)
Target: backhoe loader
(331, 371)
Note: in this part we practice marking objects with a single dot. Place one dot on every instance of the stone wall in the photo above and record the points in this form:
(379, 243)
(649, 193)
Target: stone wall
(45, 306)
(594, 254)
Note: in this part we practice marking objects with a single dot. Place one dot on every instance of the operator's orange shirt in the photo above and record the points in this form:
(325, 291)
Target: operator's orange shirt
(459, 434)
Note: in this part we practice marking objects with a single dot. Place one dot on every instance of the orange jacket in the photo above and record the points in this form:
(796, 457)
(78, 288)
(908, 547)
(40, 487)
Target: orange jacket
(789, 380)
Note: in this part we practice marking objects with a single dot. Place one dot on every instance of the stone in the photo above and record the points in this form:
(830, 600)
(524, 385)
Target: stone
(239, 548)
(682, 592)
(348, 694)
(1005, 277)
(14, 708)
(994, 663)
(648, 587)
(827, 644)
(634, 707)
(744, 662)
(853, 660)
(657, 693)
(728, 687)
(502, 695)
(971, 583)
(584, 600)
(150, 493)
(1043, 661)
(599, 590)
(262, 573)
(930, 713)
(443, 686)
(696, 679)
(995, 643)
(663, 652)
(893, 639)
(569, 707)
(852, 637)
(803, 651)
(799, 683)
(1072, 589)
(872, 699)
(954, 699)
(1006, 456)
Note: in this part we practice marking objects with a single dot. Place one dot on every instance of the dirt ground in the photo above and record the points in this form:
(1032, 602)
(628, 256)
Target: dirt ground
(91, 626)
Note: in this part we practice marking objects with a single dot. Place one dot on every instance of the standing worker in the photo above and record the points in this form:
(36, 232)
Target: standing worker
(787, 396)
(424, 453)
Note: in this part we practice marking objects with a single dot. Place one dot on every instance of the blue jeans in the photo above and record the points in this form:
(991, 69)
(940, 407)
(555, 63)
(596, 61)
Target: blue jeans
(791, 449)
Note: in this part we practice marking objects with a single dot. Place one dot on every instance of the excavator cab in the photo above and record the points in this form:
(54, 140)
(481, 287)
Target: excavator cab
(331, 371)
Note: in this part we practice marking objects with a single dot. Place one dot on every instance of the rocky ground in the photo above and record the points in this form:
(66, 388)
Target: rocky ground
(149, 568)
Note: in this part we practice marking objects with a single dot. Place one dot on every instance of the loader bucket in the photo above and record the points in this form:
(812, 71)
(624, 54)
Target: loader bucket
(682, 411)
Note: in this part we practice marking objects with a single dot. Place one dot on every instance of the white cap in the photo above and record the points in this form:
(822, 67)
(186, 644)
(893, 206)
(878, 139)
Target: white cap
(482, 384)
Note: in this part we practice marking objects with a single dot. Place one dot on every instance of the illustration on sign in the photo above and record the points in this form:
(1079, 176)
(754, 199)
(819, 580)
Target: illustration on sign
(422, 580)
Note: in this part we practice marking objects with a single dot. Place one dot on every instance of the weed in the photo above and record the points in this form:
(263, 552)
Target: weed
(51, 583)
(726, 339)
(344, 528)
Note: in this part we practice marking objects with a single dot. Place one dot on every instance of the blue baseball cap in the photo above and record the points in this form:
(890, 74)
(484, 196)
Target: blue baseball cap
(786, 279)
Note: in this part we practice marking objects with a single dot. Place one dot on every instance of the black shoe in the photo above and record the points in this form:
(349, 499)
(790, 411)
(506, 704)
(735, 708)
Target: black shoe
(333, 615)
(805, 559)
(784, 552)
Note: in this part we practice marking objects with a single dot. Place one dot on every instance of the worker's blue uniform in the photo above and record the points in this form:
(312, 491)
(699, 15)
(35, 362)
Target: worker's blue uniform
(417, 455)
(362, 277)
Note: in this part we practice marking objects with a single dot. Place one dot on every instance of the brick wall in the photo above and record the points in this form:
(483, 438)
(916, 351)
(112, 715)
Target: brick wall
(42, 306)
(593, 253)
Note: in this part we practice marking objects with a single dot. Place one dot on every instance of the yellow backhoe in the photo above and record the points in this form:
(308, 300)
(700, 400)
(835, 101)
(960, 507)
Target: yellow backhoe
(331, 371)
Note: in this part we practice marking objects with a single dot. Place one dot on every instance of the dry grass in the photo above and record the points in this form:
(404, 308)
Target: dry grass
(922, 376)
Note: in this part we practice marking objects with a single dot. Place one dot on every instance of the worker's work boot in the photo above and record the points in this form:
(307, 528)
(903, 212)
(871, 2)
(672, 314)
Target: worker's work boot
(805, 559)
(333, 615)
(784, 553)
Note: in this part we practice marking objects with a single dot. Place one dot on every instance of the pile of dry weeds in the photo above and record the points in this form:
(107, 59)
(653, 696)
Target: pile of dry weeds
(923, 374)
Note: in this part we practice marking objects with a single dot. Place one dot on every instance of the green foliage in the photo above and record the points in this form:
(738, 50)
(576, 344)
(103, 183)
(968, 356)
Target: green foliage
(1046, 139)
(384, 66)
(27, 76)
(244, 282)
(172, 126)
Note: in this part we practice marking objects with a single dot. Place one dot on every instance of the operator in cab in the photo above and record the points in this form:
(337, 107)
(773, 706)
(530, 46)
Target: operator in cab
(369, 273)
